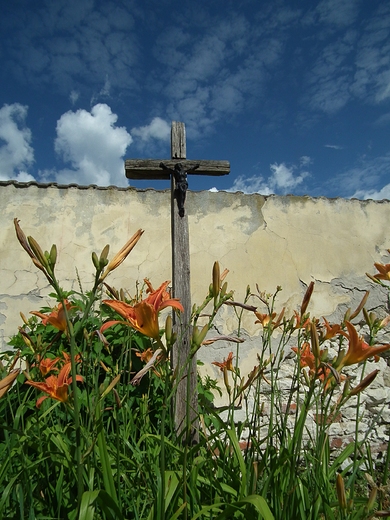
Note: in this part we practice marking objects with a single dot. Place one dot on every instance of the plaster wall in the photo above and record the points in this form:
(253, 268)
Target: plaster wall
(270, 241)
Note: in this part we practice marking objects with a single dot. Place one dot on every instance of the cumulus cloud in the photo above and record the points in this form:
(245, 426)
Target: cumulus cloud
(93, 145)
(157, 129)
(381, 194)
(283, 179)
(16, 155)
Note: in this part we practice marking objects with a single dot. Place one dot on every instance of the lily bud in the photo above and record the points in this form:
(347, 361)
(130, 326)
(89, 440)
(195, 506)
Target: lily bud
(110, 386)
(226, 380)
(168, 329)
(199, 335)
(373, 317)
(216, 280)
(36, 248)
(202, 334)
(53, 256)
(120, 256)
(360, 306)
(104, 253)
(340, 488)
(346, 388)
(315, 343)
(23, 318)
(306, 298)
(372, 498)
(95, 261)
(7, 381)
(117, 399)
(364, 383)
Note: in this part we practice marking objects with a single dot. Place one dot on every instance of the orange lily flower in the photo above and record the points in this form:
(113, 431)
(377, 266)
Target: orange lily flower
(55, 386)
(146, 355)
(66, 356)
(143, 316)
(307, 359)
(358, 349)
(383, 272)
(56, 318)
(46, 365)
(331, 330)
(299, 323)
(264, 319)
(226, 363)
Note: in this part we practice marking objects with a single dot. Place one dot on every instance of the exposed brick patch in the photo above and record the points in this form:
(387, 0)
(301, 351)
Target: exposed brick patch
(330, 419)
(336, 443)
(291, 409)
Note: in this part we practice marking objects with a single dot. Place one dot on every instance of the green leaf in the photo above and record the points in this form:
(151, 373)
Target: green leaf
(171, 483)
(87, 508)
(176, 515)
(255, 500)
(237, 450)
(108, 478)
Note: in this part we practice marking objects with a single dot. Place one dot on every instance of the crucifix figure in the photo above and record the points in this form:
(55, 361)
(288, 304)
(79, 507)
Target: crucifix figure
(181, 185)
(176, 169)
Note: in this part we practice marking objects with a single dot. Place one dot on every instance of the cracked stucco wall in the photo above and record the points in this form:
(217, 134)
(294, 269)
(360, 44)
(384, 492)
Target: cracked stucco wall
(270, 241)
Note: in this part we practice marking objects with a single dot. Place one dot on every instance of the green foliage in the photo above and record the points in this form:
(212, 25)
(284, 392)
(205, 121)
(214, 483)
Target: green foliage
(102, 447)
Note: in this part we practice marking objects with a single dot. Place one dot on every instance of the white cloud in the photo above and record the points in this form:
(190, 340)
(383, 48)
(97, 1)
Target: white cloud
(74, 96)
(381, 194)
(281, 181)
(253, 184)
(305, 160)
(16, 155)
(356, 63)
(157, 129)
(24, 177)
(330, 77)
(93, 145)
(283, 177)
(213, 70)
(367, 180)
(333, 146)
(372, 76)
(73, 45)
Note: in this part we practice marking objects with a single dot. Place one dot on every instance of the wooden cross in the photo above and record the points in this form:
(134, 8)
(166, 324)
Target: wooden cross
(176, 169)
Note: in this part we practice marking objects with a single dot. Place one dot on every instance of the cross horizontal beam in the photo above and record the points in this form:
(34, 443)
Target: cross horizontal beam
(143, 169)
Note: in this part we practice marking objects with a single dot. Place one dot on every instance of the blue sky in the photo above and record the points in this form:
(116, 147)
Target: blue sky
(294, 93)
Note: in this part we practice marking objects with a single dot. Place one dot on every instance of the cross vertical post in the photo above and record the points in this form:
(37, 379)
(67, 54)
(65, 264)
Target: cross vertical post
(176, 169)
(186, 399)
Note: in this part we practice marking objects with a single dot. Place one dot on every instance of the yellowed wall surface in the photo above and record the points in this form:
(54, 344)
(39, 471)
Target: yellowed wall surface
(287, 241)
(268, 241)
